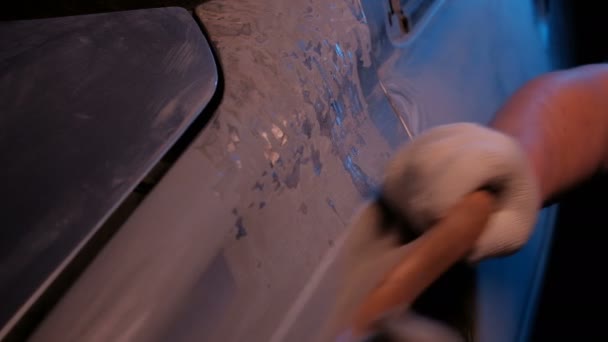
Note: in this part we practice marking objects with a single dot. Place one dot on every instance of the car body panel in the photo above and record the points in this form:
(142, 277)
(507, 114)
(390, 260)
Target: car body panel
(237, 241)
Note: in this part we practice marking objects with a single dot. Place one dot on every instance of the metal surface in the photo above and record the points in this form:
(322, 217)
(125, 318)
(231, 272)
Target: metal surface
(237, 242)
(88, 105)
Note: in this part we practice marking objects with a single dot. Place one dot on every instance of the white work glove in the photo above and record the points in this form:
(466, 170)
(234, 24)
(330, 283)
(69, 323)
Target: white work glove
(427, 177)
(434, 171)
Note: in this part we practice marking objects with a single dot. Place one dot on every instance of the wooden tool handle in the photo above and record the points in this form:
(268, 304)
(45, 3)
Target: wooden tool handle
(432, 254)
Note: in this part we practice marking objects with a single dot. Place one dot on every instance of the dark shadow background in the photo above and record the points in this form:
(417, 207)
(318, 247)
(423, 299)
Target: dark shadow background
(574, 298)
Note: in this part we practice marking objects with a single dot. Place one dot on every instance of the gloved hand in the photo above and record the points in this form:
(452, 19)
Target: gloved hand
(426, 178)
(434, 171)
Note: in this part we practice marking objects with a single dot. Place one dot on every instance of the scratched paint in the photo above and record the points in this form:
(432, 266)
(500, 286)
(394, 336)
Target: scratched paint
(325, 76)
(337, 102)
(293, 95)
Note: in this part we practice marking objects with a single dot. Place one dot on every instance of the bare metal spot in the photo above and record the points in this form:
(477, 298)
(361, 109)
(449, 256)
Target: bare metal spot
(277, 132)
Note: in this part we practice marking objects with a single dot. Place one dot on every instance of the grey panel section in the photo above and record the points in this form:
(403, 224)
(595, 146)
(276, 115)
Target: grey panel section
(316, 101)
(88, 105)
